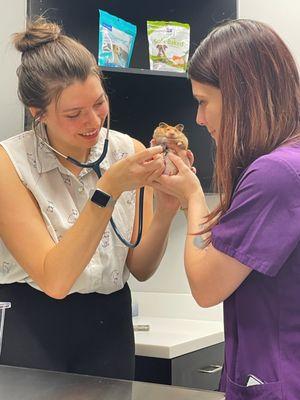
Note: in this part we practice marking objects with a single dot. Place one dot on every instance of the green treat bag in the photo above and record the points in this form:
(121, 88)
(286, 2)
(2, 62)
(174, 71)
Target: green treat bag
(169, 45)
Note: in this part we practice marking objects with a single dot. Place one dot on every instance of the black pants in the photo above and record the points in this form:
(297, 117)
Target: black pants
(83, 333)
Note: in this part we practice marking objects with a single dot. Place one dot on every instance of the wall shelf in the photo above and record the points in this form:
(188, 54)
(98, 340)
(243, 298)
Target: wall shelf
(142, 71)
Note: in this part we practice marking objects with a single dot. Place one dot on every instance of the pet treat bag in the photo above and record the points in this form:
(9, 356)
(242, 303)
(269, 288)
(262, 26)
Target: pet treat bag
(169, 44)
(116, 40)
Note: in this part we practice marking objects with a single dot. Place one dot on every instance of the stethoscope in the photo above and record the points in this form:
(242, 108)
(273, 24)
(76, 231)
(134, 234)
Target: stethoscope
(95, 166)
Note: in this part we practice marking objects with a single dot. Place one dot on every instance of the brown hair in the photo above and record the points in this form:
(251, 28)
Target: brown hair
(51, 61)
(259, 83)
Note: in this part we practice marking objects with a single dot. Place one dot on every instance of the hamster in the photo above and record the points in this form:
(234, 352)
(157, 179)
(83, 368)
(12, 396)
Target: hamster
(171, 138)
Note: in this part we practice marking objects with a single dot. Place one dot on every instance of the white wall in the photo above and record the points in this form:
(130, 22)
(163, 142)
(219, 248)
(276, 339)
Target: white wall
(283, 16)
(11, 111)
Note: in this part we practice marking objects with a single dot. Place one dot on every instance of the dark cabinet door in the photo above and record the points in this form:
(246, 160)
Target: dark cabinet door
(200, 369)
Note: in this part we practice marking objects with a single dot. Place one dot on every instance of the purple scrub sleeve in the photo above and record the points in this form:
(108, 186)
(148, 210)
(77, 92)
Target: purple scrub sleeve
(261, 229)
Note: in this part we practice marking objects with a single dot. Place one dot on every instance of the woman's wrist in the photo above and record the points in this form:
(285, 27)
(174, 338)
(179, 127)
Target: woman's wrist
(184, 204)
(195, 196)
(165, 213)
(105, 184)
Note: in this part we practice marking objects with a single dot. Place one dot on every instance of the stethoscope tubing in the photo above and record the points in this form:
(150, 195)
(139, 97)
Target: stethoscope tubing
(95, 166)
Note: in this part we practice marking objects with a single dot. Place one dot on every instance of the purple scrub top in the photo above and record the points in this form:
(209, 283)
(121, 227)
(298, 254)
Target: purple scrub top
(261, 229)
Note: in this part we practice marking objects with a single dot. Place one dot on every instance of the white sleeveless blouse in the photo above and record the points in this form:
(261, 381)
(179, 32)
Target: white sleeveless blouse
(61, 197)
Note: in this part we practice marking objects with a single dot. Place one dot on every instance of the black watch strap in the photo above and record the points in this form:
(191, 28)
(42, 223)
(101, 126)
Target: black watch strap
(101, 198)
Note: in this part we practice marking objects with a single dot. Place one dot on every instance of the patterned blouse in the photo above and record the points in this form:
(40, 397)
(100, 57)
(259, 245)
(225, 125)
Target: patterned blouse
(61, 197)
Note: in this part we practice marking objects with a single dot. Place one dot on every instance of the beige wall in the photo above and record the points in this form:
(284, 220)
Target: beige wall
(283, 16)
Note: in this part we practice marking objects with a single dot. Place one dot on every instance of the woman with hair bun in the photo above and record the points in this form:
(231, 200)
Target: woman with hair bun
(61, 264)
(246, 253)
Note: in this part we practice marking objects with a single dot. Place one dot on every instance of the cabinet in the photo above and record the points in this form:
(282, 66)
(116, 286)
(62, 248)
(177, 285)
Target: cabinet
(141, 99)
(189, 370)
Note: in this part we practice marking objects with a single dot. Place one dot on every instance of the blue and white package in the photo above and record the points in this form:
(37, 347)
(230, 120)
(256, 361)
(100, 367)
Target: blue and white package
(116, 40)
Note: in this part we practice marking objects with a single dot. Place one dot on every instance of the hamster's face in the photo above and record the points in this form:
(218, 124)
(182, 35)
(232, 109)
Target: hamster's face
(167, 133)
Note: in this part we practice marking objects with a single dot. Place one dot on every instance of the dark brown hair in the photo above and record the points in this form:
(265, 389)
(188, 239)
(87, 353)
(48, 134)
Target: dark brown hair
(51, 61)
(259, 83)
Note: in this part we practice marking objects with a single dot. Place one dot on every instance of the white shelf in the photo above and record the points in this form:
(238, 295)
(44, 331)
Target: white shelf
(169, 337)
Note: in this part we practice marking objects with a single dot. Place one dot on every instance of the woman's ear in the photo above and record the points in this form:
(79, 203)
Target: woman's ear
(37, 113)
(34, 111)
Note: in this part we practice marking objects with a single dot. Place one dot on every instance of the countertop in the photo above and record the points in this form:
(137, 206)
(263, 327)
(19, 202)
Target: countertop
(30, 384)
(170, 337)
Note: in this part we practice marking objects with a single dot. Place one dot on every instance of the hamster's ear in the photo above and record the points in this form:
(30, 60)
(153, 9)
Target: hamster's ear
(162, 124)
(180, 127)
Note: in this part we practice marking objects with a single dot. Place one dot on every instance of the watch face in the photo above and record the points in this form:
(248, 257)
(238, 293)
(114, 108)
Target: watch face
(100, 198)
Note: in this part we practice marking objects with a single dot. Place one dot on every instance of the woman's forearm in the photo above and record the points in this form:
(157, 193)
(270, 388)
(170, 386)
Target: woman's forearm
(195, 243)
(68, 258)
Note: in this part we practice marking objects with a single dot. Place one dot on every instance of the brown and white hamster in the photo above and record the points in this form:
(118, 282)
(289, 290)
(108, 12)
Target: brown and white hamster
(171, 138)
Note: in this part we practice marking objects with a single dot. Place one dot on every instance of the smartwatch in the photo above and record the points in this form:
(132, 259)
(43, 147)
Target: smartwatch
(101, 198)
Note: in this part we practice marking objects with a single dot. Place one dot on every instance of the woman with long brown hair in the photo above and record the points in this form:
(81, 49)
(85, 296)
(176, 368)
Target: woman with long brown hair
(247, 252)
(61, 264)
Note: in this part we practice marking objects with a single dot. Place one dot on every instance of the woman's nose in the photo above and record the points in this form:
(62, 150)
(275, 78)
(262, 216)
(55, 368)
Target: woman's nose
(200, 119)
(93, 119)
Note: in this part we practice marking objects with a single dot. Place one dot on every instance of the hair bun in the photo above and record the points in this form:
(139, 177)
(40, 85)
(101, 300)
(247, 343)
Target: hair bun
(37, 33)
